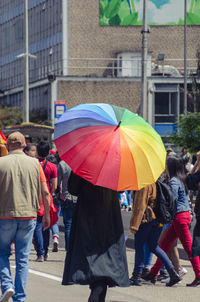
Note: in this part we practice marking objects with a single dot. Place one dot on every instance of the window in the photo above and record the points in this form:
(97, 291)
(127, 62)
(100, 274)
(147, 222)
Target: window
(165, 107)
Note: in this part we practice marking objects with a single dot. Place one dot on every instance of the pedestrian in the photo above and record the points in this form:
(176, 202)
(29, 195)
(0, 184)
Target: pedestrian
(97, 253)
(144, 225)
(31, 150)
(180, 225)
(21, 183)
(67, 200)
(42, 238)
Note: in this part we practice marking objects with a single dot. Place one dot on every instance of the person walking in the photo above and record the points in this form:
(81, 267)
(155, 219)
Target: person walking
(41, 237)
(97, 253)
(21, 183)
(144, 225)
(180, 225)
(67, 200)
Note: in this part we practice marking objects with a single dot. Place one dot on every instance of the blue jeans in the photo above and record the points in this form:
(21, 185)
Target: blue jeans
(21, 232)
(149, 233)
(148, 256)
(38, 237)
(67, 211)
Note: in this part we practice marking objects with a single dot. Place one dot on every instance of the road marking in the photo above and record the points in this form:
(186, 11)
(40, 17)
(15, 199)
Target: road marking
(45, 275)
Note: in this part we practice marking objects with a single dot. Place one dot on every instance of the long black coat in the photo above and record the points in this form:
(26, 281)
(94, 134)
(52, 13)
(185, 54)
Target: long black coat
(97, 246)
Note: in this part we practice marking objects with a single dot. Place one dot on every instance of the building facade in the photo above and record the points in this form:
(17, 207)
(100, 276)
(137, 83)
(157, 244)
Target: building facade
(78, 60)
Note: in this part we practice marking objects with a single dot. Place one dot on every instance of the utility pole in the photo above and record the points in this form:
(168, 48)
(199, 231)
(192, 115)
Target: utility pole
(185, 58)
(26, 66)
(144, 62)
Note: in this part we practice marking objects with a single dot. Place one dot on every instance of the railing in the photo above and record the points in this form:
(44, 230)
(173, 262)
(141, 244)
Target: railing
(95, 67)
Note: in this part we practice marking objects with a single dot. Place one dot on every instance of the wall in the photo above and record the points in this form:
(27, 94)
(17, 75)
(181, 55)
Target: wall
(120, 93)
(87, 39)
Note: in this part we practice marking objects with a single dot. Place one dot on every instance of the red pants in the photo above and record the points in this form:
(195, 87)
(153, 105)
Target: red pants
(179, 229)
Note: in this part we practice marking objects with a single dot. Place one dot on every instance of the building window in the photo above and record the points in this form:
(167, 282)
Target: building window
(166, 107)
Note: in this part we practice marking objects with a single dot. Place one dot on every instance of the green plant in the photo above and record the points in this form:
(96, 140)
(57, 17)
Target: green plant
(188, 134)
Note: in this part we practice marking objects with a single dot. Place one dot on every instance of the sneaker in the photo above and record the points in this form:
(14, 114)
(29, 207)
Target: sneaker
(7, 295)
(145, 272)
(46, 257)
(163, 275)
(195, 283)
(55, 245)
(182, 272)
(40, 259)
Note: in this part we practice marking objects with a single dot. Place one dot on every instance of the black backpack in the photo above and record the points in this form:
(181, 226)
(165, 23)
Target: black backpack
(166, 204)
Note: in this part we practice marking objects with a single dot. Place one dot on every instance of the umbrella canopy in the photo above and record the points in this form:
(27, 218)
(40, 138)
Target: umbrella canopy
(110, 146)
(2, 138)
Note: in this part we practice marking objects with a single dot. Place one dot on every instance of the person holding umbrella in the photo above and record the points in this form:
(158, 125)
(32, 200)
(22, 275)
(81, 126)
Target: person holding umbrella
(97, 254)
(107, 148)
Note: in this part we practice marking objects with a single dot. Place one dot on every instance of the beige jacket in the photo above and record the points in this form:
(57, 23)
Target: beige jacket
(19, 185)
(141, 200)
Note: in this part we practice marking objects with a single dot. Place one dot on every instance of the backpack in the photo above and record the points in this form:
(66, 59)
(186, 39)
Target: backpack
(166, 204)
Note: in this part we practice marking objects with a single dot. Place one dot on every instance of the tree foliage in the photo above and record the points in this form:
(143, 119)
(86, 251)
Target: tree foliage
(10, 116)
(188, 132)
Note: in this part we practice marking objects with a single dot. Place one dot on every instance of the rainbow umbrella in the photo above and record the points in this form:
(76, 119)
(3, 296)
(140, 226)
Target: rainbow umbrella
(110, 146)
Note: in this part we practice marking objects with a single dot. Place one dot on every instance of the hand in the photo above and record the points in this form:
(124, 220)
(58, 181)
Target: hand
(45, 222)
(133, 231)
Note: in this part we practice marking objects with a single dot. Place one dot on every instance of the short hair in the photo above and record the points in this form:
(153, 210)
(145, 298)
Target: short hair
(43, 149)
(28, 146)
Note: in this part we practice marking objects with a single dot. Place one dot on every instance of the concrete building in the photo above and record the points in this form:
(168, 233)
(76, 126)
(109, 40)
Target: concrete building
(79, 61)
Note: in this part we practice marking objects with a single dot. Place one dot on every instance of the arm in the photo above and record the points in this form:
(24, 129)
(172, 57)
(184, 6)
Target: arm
(53, 184)
(46, 202)
(140, 202)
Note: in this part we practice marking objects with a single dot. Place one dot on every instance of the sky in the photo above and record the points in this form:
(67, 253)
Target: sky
(162, 11)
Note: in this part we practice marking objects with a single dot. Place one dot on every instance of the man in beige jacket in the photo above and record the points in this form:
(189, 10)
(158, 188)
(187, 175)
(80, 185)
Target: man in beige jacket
(21, 182)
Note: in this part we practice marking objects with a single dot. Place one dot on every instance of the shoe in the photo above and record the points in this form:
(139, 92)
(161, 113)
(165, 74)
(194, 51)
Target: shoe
(129, 208)
(182, 272)
(46, 257)
(163, 275)
(145, 272)
(174, 277)
(135, 279)
(7, 295)
(150, 277)
(195, 283)
(40, 259)
(55, 245)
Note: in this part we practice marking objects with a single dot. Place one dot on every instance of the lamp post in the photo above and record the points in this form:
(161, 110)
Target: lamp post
(185, 58)
(145, 31)
(26, 66)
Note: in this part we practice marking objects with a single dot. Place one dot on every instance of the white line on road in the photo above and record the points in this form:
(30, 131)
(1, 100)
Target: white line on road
(45, 275)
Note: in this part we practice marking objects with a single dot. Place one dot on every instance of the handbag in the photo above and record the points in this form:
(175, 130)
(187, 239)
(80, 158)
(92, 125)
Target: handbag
(53, 210)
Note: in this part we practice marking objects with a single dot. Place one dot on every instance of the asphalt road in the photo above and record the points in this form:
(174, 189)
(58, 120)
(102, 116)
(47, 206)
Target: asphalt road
(44, 283)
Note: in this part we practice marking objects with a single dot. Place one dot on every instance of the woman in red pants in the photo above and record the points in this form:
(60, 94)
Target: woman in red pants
(180, 225)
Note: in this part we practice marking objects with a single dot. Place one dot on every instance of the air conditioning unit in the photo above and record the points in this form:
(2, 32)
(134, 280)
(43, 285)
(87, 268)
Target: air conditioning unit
(129, 64)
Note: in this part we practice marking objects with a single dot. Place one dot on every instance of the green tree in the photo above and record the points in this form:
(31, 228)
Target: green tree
(10, 116)
(188, 132)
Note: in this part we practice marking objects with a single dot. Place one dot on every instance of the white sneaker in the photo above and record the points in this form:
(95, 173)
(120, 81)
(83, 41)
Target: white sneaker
(6, 296)
(182, 272)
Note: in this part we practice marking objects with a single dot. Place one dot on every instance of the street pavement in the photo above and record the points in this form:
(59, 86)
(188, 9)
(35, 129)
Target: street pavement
(44, 282)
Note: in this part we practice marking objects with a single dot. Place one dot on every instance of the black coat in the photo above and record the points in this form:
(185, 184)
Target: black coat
(97, 245)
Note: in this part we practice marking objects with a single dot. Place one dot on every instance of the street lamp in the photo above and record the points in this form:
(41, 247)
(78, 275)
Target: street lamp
(26, 56)
(185, 58)
(145, 31)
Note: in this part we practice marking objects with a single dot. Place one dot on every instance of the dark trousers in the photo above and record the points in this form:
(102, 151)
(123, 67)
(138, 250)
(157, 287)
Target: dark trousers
(67, 211)
(98, 291)
(148, 233)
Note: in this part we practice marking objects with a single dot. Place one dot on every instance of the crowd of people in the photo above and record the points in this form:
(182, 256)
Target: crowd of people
(35, 183)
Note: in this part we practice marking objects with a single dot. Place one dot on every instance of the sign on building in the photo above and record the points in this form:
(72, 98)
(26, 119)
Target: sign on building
(59, 109)
(160, 12)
